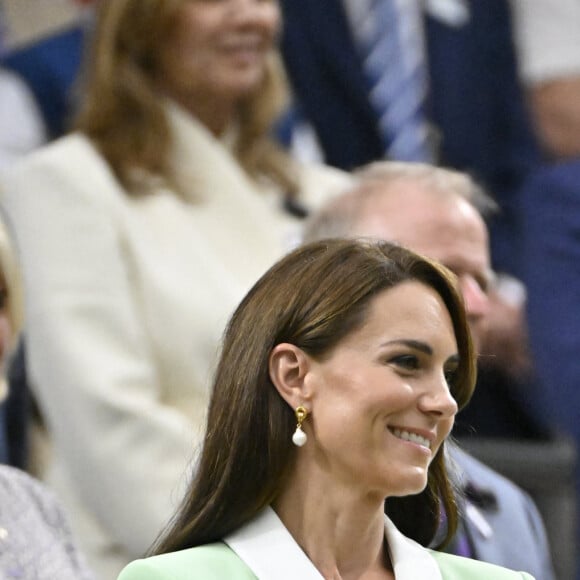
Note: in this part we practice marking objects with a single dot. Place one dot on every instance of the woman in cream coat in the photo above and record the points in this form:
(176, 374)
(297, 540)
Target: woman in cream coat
(139, 233)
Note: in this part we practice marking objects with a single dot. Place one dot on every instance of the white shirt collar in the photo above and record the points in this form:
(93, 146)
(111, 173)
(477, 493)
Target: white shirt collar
(268, 548)
(454, 13)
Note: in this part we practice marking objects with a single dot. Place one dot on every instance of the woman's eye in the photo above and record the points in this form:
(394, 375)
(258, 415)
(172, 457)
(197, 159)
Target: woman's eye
(408, 362)
(451, 376)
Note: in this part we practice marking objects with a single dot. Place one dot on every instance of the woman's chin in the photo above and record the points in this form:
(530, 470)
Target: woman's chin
(412, 484)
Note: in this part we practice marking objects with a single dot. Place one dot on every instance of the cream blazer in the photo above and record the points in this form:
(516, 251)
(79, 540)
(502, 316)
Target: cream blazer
(264, 549)
(127, 299)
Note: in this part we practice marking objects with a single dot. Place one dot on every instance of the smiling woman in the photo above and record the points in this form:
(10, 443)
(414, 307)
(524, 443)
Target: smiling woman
(314, 332)
(217, 55)
(379, 401)
(368, 344)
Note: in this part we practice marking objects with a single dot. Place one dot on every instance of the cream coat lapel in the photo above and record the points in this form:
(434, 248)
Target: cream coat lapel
(232, 210)
(267, 547)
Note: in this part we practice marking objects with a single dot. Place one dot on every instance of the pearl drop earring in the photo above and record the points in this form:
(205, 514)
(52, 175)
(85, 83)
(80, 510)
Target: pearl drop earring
(299, 438)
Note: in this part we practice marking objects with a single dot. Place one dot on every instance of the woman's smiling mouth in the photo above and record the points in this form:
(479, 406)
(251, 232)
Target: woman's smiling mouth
(410, 436)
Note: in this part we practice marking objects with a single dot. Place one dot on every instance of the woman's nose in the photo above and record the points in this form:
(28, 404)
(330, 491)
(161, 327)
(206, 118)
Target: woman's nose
(438, 400)
(262, 12)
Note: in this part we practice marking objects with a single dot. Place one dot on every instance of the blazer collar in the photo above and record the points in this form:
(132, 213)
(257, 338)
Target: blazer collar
(268, 548)
(204, 166)
(453, 13)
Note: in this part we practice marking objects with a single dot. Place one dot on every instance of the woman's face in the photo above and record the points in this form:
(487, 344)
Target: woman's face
(380, 403)
(217, 50)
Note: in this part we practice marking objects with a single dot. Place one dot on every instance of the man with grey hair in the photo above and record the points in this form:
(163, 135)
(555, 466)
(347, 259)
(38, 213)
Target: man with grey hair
(439, 213)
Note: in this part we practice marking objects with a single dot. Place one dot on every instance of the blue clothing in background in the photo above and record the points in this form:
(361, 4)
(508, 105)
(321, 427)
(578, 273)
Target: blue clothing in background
(551, 258)
(475, 100)
(50, 68)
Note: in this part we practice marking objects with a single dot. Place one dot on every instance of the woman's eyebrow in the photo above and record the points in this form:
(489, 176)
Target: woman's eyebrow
(414, 344)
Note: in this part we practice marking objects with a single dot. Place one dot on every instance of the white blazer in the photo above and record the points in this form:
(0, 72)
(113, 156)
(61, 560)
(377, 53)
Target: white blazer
(127, 299)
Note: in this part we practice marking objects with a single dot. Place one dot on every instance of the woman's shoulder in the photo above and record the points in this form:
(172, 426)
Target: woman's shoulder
(73, 158)
(458, 568)
(71, 164)
(59, 151)
(211, 562)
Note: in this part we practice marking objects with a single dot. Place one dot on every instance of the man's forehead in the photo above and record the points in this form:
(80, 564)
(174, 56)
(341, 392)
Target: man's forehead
(407, 211)
(441, 225)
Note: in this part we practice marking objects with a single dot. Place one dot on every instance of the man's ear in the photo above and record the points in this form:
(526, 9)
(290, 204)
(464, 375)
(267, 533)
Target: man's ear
(288, 367)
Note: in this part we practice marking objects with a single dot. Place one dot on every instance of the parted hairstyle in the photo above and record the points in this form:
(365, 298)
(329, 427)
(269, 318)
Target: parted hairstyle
(313, 298)
(122, 108)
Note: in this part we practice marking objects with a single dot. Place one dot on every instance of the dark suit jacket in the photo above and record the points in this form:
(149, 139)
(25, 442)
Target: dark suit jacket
(475, 100)
(509, 512)
(551, 244)
(551, 240)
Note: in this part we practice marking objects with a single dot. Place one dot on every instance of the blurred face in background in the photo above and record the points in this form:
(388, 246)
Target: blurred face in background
(216, 53)
(443, 227)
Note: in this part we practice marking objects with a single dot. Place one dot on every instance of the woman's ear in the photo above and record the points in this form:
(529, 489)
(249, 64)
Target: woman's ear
(288, 367)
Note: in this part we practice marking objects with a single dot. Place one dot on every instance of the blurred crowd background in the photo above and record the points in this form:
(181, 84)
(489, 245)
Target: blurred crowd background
(504, 90)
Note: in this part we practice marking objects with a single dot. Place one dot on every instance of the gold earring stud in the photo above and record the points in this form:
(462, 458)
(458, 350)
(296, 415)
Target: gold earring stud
(299, 438)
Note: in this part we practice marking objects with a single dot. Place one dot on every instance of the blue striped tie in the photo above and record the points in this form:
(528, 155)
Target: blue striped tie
(394, 65)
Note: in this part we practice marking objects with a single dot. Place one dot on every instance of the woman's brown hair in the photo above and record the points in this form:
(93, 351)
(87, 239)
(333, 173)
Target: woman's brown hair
(122, 108)
(312, 298)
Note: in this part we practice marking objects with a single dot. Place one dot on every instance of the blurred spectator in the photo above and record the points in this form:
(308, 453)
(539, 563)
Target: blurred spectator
(549, 52)
(548, 40)
(21, 126)
(36, 542)
(437, 212)
(50, 67)
(21, 131)
(506, 403)
(139, 234)
(551, 243)
(468, 105)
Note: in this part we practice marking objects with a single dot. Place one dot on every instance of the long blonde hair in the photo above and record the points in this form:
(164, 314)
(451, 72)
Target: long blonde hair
(122, 112)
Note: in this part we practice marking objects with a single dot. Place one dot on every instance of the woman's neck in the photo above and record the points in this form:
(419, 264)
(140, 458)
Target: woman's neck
(217, 115)
(343, 536)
